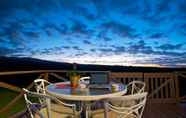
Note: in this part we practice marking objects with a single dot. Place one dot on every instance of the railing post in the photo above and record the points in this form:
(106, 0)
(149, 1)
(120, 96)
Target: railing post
(46, 76)
(177, 86)
(146, 82)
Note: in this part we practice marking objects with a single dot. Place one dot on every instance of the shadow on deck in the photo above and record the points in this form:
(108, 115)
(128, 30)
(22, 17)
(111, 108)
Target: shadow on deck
(153, 110)
(165, 110)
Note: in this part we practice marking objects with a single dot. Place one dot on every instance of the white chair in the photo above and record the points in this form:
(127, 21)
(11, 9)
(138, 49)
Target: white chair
(135, 87)
(84, 80)
(40, 86)
(121, 110)
(51, 108)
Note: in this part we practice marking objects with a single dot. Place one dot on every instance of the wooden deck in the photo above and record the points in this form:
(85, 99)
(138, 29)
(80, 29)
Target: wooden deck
(157, 110)
(165, 110)
(163, 89)
(152, 110)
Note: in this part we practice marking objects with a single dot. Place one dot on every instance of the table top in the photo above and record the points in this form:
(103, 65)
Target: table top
(65, 91)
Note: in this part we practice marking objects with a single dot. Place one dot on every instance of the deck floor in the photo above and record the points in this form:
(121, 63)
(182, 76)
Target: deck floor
(165, 110)
(157, 110)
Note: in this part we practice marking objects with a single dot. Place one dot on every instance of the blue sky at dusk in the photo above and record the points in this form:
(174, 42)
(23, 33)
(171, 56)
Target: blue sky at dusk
(115, 32)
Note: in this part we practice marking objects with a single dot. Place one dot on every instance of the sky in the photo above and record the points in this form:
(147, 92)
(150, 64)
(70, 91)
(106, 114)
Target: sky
(111, 32)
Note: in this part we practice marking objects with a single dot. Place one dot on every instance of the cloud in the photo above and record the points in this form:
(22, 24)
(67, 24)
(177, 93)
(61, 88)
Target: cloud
(113, 49)
(140, 47)
(49, 27)
(79, 8)
(157, 35)
(16, 25)
(181, 7)
(93, 50)
(76, 48)
(107, 39)
(87, 42)
(13, 36)
(81, 54)
(170, 61)
(119, 49)
(106, 50)
(35, 7)
(170, 47)
(6, 51)
(48, 51)
(129, 9)
(11, 27)
(85, 12)
(103, 34)
(31, 34)
(78, 27)
(182, 29)
(100, 8)
(166, 49)
(163, 6)
(2, 41)
(48, 32)
(66, 47)
(51, 51)
(122, 30)
(101, 21)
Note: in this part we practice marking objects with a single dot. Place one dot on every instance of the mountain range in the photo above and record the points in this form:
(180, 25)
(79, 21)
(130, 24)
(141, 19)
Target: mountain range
(17, 63)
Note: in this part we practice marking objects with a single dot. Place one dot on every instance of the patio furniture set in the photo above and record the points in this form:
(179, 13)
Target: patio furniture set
(60, 100)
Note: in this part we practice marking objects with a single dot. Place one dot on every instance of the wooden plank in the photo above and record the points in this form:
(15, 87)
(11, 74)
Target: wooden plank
(124, 80)
(166, 88)
(152, 110)
(156, 86)
(177, 85)
(12, 103)
(58, 76)
(151, 87)
(43, 71)
(126, 75)
(147, 84)
(10, 87)
(183, 74)
(41, 76)
(161, 89)
(172, 90)
(46, 76)
(164, 100)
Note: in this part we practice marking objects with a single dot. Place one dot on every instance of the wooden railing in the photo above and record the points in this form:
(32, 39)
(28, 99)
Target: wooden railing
(161, 86)
(44, 74)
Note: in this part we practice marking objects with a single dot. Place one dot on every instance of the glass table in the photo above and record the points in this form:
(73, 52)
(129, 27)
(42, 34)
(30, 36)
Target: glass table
(85, 95)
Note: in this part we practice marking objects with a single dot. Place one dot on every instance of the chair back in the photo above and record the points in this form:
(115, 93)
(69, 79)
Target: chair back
(129, 105)
(40, 85)
(47, 103)
(135, 87)
(85, 80)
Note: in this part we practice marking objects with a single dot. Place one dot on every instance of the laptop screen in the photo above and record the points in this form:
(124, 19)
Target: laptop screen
(99, 78)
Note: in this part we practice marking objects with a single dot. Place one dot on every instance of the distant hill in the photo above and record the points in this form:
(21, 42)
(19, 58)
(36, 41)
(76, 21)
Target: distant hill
(15, 63)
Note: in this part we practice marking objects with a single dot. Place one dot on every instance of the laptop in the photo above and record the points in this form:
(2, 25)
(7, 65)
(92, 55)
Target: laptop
(99, 80)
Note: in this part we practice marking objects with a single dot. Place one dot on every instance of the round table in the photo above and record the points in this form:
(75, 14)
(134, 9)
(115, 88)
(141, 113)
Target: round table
(63, 90)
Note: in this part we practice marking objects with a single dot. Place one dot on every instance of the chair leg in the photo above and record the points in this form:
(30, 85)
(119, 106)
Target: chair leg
(106, 110)
(48, 108)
